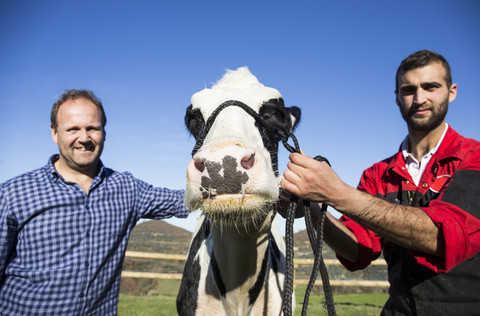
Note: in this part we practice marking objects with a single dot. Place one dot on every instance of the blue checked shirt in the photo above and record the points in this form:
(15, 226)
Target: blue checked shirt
(61, 250)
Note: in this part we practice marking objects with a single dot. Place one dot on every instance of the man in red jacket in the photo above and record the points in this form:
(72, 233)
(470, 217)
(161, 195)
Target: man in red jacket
(421, 206)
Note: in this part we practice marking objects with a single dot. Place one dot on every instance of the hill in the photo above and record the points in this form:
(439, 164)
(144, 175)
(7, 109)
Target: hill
(161, 237)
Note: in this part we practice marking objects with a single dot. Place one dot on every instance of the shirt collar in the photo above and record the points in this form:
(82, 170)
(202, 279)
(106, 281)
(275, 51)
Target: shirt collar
(53, 173)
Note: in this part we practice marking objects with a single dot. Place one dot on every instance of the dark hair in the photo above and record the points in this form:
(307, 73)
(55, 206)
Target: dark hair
(73, 94)
(423, 58)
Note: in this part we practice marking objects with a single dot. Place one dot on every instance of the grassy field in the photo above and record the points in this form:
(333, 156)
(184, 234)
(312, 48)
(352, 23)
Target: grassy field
(163, 303)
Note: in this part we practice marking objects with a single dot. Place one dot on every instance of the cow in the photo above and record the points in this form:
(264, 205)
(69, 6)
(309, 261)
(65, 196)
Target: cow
(236, 260)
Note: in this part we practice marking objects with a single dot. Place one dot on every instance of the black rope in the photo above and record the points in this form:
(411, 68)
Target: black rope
(213, 116)
(289, 268)
(316, 241)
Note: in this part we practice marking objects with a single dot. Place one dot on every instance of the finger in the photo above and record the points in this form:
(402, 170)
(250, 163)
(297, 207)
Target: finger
(289, 186)
(292, 176)
(302, 160)
(296, 169)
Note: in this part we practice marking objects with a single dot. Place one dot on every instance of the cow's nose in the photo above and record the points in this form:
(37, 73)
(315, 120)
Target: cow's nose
(231, 157)
(199, 164)
(248, 161)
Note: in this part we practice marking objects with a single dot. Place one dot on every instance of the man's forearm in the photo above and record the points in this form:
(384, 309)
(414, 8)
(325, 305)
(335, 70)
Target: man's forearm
(409, 227)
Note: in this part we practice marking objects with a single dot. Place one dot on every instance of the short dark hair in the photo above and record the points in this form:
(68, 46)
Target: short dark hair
(423, 58)
(73, 94)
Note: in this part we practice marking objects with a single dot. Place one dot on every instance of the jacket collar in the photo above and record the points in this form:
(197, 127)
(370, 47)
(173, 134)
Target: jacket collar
(450, 148)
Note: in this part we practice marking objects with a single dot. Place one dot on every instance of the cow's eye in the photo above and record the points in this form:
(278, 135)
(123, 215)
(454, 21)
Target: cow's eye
(194, 121)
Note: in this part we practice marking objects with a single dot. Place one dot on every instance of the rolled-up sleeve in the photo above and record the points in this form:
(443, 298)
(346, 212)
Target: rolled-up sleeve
(457, 214)
(369, 245)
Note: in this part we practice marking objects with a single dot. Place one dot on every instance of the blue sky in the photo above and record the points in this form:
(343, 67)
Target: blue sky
(336, 60)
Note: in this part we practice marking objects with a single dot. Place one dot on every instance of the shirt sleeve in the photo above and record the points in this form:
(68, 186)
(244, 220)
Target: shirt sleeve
(159, 203)
(457, 213)
(8, 232)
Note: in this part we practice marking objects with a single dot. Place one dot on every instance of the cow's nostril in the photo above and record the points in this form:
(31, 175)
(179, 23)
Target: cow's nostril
(248, 161)
(199, 164)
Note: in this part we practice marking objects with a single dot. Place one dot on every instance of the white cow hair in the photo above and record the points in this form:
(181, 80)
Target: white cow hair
(240, 85)
(237, 127)
(232, 223)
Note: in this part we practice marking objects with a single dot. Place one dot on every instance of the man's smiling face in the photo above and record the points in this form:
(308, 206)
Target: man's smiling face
(79, 135)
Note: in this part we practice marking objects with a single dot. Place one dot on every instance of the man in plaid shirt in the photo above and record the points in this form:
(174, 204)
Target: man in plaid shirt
(64, 228)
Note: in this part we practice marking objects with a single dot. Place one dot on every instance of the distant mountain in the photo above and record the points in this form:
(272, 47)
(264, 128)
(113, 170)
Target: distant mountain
(160, 237)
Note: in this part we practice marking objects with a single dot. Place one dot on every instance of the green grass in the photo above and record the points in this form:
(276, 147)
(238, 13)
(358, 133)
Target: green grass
(345, 304)
(163, 303)
(147, 305)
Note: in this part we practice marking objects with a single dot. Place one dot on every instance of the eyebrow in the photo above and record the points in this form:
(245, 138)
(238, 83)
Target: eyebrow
(424, 85)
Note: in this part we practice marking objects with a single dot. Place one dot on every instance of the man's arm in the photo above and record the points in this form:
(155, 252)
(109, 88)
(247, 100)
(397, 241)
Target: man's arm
(159, 203)
(338, 236)
(406, 226)
(7, 234)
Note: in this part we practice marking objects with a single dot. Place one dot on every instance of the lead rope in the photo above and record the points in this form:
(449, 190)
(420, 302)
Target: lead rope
(316, 241)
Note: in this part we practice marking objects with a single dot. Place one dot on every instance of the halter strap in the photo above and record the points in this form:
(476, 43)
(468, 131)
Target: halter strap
(206, 129)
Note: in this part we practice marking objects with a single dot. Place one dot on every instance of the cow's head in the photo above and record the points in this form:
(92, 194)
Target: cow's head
(233, 175)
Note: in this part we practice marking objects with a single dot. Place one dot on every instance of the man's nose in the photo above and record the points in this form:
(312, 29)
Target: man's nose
(420, 96)
(83, 135)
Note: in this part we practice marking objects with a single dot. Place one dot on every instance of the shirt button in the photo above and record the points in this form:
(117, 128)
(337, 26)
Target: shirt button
(81, 295)
(87, 264)
(407, 182)
(425, 185)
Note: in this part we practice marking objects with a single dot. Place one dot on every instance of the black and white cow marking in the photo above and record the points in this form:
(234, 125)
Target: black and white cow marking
(236, 261)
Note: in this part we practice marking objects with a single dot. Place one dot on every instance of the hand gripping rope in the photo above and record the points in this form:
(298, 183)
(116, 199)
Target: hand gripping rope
(315, 235)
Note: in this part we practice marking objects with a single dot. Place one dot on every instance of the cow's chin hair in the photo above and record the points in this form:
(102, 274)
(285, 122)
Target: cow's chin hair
(228, 211)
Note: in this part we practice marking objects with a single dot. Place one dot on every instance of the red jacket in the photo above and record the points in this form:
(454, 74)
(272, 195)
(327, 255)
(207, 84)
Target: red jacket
(449, 192)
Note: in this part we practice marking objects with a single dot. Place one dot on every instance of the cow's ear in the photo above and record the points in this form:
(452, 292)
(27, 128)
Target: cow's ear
(194, 121)
(275, 113)
(295, 114)
(279, 117)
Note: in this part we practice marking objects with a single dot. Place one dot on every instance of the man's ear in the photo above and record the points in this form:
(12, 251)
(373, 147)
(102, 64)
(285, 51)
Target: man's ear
(452, 93)
(396, 98)
(54, 134)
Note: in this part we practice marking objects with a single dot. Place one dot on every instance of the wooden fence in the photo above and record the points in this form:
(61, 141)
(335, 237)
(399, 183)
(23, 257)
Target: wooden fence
(297, 262)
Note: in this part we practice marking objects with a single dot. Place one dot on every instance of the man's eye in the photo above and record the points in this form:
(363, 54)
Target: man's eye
(407, 91)
(430, 87)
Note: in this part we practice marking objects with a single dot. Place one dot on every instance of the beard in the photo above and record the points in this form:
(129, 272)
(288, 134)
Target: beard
(436, 118)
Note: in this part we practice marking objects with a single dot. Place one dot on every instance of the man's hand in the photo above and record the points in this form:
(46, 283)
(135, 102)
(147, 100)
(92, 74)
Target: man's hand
(313, 180)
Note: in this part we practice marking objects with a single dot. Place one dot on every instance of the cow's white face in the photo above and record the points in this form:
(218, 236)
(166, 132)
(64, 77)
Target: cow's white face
(232, 176)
